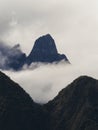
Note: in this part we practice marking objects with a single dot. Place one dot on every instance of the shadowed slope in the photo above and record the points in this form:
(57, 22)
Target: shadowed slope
(76, 107)
(17, 109)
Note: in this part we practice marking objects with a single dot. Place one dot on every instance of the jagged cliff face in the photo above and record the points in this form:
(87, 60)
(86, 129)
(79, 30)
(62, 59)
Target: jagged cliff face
(45, 50)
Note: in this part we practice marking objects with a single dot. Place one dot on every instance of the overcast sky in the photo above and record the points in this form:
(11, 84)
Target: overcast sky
(72, 23)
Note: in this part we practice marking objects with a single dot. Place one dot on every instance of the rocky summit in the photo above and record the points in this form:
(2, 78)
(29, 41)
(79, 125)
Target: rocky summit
(74, 108)
(45, 50)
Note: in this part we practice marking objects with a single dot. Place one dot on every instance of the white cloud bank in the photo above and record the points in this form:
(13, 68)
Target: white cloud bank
(44, 82)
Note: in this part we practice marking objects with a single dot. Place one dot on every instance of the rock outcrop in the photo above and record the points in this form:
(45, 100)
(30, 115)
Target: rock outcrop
(45, 50)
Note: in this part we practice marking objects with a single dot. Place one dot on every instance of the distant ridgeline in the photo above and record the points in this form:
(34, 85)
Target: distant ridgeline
(44, 50)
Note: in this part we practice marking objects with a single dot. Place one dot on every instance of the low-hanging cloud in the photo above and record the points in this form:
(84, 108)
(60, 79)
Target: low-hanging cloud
(44, 82)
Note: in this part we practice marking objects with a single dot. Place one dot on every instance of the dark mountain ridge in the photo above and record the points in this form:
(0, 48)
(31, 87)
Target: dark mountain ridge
(74, 108)
(44, 51)
(17, 110)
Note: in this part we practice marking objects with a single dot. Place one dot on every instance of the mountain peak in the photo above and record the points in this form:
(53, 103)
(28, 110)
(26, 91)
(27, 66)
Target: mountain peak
(84, 80)
(76, 106)
(44, 50)
(45, 44)
(47, 35)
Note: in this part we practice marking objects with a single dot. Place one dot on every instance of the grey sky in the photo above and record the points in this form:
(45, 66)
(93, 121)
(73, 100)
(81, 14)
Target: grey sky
(73, 24)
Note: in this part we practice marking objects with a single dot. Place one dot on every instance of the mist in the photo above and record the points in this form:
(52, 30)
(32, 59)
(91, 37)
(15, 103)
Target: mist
(45, 82)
